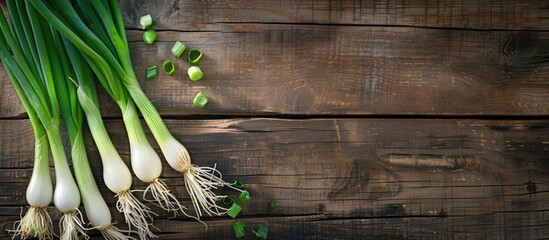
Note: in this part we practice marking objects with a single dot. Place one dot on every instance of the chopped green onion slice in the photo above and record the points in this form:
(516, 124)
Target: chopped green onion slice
(228, 201)
(195, 73)
(201, 100)
(234, 210)
(262, 232)
(153, 102)
(178, 48)
(149, 36)
(238, 184)
(146, 21)
(151, 72)
(239, 229)
(272, 203)
(169, 67)
(194, 55)
(244, 196)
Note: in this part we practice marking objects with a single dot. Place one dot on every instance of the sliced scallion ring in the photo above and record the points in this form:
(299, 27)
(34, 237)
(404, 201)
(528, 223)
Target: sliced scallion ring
(238, 184)
(195, 73)
(178, 48)
(151, 72)
(244, 196)
(228, 201)
(272, 203)
(168, 67)
(262, 232)
(146, 21)
(201, 100)
(194, 55)
(149, 36)
(239, 229)
(234, 210)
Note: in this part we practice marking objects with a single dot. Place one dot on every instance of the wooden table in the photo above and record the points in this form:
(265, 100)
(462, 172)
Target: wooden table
(363, 120)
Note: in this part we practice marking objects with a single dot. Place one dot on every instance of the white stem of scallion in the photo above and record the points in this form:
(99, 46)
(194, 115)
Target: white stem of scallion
(146, 163)
(116, 174)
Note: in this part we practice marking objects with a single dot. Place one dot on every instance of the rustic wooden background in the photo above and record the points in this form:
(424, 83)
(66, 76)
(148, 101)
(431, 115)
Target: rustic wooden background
(363, 119)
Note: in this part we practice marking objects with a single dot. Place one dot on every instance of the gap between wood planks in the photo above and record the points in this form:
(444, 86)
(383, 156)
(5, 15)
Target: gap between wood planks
(160, 29)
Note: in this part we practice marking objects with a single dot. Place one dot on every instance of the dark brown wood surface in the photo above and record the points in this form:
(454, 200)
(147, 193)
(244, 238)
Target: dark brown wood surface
(364, 120)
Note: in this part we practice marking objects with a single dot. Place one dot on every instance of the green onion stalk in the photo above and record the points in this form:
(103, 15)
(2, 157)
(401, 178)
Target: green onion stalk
(95, 206)
(36, 222)
(37, 84)
(200, 182)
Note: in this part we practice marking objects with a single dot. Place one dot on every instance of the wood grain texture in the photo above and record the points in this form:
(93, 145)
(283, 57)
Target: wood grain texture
(345, 178)
(270, 68)
(481, 15)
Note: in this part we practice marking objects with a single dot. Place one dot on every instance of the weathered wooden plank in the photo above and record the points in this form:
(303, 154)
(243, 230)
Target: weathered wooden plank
(279, 69)
(315, 69)
(349, 178)
(203, 15)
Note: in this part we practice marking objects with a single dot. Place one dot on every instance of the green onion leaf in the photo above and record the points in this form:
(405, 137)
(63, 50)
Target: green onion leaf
(244, 196)
(195, 73)
(151, 72)
(262, 232)
(194, 55)
(169, 67)
(153, 102)
(239, 229)
(201, 100)
(178, 48)
(228, 201)
(272, 203)
(149, 36)
(238, 184)
(234, 210)
(146, 21)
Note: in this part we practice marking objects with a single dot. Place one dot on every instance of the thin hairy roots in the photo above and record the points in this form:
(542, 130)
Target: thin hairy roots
(71, 226)
(200, 183)
(163, 198)
(136, 213)
(36, 223)
(113, 233)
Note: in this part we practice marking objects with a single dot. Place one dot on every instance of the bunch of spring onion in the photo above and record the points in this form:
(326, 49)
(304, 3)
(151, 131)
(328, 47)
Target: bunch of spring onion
(145, 161)
(32, 72)
(199, 181)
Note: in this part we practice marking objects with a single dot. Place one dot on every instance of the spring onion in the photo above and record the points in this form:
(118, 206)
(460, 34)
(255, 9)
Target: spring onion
(244, 196)
(97, 211)
(201, 100)
(40, 91)
(153, 102)
(146, 21)
(262, 232)
(194, 55)
(151, 72)
(234, 210)
(200, 182)
(169, 67)
(195, 73)
(178, 48)
(149, 36)
(228, 201)
(36, 221)
(239, 229)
